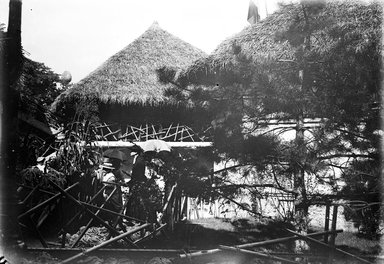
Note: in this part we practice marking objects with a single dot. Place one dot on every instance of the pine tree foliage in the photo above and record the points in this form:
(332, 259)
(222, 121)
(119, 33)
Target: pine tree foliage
(311, 60)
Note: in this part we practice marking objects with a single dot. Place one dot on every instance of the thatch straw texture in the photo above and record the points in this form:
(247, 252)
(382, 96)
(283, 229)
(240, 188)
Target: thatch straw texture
(130, 75)
(260, 43)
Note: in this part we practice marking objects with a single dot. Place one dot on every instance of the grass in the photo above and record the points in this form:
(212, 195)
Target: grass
(214, 231)
(351, 240)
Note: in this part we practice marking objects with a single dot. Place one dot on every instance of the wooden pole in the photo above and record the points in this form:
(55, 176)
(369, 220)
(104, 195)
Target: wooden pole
(333, 236)
(115, 223)
(127, 144)
(29, 195)
(112, 212)
(153, 233)
(121, 236)
(326, 224)
(167, 203)
(91, 220)
(258, 254)
(46, 202)
(183, 206)
(100, 220)
(36, 230)
(328, 246)
(256, 244)
(66, 226)
(39, 188)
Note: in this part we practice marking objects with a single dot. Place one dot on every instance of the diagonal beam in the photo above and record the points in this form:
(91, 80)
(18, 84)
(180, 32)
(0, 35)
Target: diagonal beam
(97, 218)
(328, 246)
(258, 254)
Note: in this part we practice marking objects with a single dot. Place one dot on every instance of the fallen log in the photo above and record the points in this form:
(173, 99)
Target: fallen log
(258, 254)
(69, 260)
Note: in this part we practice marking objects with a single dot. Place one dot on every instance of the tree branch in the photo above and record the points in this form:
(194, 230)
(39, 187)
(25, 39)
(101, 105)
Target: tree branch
(344, 155)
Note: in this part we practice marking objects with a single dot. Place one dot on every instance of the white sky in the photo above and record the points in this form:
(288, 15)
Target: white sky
(79, 35)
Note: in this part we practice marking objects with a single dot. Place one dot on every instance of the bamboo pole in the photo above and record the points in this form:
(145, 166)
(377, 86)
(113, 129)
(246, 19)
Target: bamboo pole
(39, 235)
(100, 220)
(116, 222)
(326, 224)
(258, 254)
(45, 202)
(328, 246)
(167, 202)
(40, 189)
(256, 244)
(91, 220)
(121, 236)
(153, 233)
(66, 226)
(127, 144)
(182, 209)
(333, 237)
(45, 215)
(112, 212)
(29, 195)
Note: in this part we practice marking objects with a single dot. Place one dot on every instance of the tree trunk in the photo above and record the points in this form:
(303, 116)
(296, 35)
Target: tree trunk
(11, 67)
(301, 201)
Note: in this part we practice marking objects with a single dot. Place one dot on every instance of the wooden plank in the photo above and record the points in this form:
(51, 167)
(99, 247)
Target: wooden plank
(328, 246)
(121, 236)
(258, 254)
(127, 144)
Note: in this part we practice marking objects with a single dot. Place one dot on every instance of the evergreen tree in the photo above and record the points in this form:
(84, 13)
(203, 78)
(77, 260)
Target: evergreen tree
(308, 60)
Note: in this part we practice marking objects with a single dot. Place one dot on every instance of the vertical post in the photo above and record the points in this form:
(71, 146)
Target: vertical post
(11, 62)
(326, 224)
(333, 235)
(37, 232)
(187, 207)
(333, 227)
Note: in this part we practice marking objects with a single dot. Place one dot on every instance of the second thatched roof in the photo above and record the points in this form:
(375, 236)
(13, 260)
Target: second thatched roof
(130, 77)
(262, 44)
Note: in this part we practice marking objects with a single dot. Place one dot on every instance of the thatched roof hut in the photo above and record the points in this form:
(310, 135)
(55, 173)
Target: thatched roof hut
(263, 44)
(129, 78)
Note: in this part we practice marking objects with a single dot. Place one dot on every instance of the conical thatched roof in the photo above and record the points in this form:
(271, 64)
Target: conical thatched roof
(261, 44)
(130, 75)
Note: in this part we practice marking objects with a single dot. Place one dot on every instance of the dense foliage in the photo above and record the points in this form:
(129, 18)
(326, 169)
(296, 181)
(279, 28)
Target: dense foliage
(39, 82)
(324, 63)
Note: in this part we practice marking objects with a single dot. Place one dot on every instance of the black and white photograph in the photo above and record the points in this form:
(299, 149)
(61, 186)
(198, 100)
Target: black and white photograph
(197, 132)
